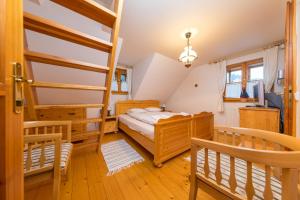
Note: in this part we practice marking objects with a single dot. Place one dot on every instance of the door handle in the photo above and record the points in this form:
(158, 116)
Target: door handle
(18, 81)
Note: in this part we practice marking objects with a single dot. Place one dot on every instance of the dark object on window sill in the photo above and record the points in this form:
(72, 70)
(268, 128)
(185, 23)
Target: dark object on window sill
(244, 95)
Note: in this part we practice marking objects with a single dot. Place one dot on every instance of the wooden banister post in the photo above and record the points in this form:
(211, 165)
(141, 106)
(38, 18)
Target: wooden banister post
(56, 173)
(289, 184)
(194, 182)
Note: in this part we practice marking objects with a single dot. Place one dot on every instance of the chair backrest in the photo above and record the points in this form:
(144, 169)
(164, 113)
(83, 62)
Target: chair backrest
(40, 134)
(49, 127)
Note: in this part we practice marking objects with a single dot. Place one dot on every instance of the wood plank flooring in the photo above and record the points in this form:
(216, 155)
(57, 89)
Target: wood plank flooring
(88, 179)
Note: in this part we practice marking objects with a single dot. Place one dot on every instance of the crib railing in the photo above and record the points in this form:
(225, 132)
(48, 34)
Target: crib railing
(265, 150)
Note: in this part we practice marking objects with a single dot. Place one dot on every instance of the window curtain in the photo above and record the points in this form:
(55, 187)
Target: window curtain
(233, 90)
(270, 67)
(221, 72)
(114, 85)
(129, 82)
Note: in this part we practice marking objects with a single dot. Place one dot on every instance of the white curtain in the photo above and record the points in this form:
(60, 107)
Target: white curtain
(270, 67)
(114, 86)
(233, 90)
(129, 82)
(221, 73)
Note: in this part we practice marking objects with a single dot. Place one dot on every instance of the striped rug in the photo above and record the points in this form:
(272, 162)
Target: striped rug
(119, 155)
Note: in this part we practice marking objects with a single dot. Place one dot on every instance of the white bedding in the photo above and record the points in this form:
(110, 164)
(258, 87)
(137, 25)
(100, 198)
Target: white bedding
(153, 117)
(139, 126)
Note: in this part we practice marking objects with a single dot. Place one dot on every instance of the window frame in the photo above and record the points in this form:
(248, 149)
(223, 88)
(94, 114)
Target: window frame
(118, 73)
(244, 79)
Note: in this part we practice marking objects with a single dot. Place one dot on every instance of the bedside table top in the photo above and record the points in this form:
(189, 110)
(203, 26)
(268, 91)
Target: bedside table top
(111, 117)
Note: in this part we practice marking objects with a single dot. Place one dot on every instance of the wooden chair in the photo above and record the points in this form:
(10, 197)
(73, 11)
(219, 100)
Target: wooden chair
(50, 147)
(247, 164)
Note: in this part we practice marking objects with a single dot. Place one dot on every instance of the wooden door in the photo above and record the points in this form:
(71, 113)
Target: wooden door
(290, 70)
(11, 140)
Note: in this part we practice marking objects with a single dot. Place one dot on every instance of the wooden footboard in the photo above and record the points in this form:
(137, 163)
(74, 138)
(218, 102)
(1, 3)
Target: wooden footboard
(203, 125)
(173, 135)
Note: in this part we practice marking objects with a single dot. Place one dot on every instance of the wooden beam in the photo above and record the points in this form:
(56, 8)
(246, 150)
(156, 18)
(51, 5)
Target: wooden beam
(90, 9)
(54, 29)
(67, 86)
(30, 95)
(111, 64)
(84, 136)
(86, 121)
(55, 60)
(40, 107)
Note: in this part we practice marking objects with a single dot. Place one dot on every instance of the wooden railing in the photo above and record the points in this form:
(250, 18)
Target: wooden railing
(277, 155)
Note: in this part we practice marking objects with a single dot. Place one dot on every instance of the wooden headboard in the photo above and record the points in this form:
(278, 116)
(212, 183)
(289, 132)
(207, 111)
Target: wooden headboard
(123, 106)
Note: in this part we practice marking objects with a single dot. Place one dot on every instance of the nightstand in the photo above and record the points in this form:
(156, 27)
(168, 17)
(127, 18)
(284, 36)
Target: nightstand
(111, 124)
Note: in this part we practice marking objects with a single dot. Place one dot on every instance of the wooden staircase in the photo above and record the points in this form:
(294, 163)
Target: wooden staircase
(98, 13)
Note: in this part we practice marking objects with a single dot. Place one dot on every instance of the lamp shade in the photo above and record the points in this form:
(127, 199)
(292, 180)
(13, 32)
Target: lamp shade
(188, 56)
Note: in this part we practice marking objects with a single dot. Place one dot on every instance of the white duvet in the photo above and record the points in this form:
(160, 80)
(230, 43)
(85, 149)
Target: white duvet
(153, 117)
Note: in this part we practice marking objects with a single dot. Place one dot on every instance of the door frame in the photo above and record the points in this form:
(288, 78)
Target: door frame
(290, 69)
(11, 123)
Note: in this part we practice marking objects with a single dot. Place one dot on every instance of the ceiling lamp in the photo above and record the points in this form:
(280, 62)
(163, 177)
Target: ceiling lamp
(188, 55)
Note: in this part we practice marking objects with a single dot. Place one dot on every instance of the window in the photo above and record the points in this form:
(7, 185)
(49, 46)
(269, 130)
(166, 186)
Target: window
(243, 75)
(119, 84)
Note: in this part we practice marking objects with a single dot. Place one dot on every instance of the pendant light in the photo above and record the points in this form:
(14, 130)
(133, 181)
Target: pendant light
(188, 55)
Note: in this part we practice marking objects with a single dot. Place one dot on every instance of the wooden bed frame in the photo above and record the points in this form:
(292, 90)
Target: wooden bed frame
(276, 154)
(172, 136)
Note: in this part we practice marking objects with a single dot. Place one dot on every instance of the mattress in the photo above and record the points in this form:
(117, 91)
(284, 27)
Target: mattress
(153, 117)
(139, 126)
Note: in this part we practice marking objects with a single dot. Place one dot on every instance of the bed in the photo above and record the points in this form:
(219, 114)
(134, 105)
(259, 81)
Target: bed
(168, 137)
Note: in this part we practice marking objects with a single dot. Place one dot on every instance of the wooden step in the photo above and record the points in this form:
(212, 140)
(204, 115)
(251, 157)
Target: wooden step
(54, 29)
(85, 147)
(84, 136)
(55, 60)
(90, 9)
(40, 107)
(67, 86)
(86, 121)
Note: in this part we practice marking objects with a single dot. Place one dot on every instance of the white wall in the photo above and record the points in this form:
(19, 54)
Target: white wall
(139, 72)
(157, 77)
(191, 99)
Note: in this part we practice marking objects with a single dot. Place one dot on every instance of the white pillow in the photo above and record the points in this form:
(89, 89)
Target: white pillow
(136, 110)
(153, 109)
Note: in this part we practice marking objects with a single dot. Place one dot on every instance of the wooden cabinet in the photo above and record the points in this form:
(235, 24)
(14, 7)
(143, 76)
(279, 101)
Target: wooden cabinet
(110, 124)
(260, 118)
(72, 114)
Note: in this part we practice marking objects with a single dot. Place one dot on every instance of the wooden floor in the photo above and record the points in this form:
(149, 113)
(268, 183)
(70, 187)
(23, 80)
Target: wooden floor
(142, 181)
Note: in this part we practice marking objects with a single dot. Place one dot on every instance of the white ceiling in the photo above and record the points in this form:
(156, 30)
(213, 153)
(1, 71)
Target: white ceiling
(224, 27)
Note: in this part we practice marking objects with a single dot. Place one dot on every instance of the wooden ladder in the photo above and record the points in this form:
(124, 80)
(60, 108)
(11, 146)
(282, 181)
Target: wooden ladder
(96, 12)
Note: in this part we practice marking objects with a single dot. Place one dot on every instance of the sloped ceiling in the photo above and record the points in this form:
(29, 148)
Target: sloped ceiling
(157, 77)
(223, 27)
